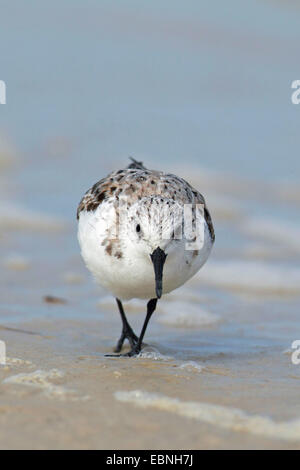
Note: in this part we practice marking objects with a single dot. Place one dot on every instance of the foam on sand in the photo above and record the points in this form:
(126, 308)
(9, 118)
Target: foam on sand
(153, 354)
(185, 315)
(225, 417)
(41, 379)
(191, 366)
(250, 276)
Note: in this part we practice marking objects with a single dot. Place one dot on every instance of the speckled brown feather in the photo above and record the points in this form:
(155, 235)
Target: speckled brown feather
(138, 182)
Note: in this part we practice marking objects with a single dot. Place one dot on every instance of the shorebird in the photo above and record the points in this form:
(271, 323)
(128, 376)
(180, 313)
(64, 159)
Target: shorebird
(143, 233)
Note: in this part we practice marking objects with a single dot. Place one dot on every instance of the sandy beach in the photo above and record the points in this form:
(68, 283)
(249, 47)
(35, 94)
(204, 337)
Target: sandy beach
(189, 92)
(63, 396)
(216, 371)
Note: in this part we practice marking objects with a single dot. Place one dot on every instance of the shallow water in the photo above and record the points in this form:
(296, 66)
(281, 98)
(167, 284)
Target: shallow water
(201, 93)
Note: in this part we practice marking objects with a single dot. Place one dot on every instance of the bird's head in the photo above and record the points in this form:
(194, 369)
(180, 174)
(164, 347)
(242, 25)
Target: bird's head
(152, 228)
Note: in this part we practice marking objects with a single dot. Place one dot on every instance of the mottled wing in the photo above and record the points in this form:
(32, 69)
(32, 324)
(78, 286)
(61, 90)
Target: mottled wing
(105, 188)
(93, 197)
(209, 223)
(191, 195)
(138, 182)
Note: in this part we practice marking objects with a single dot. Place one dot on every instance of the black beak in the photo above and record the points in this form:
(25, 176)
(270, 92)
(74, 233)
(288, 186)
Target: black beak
(158, 258)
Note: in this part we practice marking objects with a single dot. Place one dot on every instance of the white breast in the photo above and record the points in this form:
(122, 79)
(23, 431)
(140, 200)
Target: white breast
(132, 275)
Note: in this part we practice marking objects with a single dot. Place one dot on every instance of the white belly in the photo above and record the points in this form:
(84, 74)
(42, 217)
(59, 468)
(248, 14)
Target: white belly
(132, 275)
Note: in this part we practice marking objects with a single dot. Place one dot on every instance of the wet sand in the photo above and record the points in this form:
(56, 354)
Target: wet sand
(216, 371)
(187, 90)
(58, 391)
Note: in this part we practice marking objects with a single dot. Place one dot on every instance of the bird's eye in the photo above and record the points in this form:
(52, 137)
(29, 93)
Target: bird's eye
(138, 228)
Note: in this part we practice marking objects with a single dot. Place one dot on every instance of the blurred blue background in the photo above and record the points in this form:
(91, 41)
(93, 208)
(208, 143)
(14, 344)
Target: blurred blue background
(199, 89)
(205, 84)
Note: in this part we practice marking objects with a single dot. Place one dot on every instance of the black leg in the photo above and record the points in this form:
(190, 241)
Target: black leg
(127, 331)
(136, 348)
(151, 306)
(136, 343)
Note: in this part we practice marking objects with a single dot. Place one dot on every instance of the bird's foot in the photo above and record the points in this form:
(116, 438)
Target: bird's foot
(129, 334)
(135, 351)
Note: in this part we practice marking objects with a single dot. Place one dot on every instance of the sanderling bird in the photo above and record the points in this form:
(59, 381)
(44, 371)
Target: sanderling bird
(142, 234)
